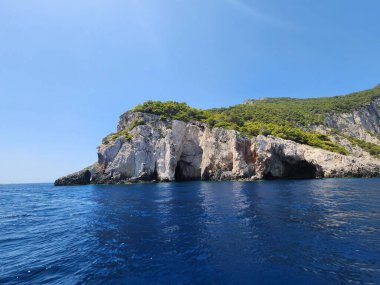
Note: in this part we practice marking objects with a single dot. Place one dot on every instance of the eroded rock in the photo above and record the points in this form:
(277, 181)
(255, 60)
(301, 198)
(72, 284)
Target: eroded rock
(173, 150)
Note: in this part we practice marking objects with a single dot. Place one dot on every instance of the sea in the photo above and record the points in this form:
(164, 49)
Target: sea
(324, 231)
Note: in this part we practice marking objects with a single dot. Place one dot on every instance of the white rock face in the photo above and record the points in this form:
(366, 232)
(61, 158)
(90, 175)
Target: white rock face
(278, 157)
(363, 124)
(175, 150)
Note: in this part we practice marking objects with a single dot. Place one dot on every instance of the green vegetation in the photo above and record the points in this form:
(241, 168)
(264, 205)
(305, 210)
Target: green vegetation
(171, 110)
(135, 123)
(303, 112)
(281, 117)
(372, 148)
(291, 133)
(124, 133)
(113, 136)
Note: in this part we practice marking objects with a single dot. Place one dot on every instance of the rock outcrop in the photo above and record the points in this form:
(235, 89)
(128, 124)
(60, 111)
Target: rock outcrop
(363, 123)
(353, 149)
(171, 150)
(82, 177)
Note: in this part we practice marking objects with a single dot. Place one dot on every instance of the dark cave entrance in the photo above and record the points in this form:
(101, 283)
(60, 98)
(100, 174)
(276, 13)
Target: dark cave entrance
(300, 170)
(295, 170)
(186, 172)
(178, 173)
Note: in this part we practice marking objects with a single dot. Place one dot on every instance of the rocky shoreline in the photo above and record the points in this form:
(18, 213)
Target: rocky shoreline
(151, 149)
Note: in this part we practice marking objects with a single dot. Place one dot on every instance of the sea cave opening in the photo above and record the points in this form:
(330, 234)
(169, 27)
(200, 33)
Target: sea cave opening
(295, 170)
(186, 172)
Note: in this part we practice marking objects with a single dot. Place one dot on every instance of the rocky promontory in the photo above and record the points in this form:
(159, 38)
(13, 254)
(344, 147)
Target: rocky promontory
(149, 148)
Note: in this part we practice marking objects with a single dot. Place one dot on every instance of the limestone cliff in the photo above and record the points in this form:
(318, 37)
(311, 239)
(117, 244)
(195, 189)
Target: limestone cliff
(146, 148)
(363, 123)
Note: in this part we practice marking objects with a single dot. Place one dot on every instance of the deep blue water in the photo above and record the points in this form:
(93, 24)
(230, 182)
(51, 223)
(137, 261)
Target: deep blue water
(272, 232)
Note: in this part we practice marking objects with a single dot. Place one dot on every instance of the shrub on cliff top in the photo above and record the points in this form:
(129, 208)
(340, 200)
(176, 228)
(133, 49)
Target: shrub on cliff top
(171, 110)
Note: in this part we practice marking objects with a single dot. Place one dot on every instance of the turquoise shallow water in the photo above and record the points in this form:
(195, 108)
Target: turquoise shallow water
(270, 232)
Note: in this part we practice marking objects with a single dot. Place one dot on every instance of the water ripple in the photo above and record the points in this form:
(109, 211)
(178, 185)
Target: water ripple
(273, 232)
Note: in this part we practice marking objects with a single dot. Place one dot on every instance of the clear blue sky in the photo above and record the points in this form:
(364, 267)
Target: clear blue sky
(69, 68)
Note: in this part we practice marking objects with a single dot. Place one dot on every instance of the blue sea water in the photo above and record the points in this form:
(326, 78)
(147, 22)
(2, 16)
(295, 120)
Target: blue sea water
(269, 232)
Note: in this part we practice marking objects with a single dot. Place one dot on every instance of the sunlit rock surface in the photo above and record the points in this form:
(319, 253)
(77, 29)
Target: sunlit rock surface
(169, 150)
